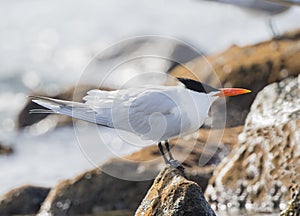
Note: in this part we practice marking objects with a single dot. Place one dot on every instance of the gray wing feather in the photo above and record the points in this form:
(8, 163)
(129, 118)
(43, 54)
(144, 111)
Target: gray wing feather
(131, 109)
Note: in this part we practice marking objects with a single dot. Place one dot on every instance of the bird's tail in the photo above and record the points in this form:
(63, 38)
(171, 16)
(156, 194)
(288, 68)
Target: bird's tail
(69, 108)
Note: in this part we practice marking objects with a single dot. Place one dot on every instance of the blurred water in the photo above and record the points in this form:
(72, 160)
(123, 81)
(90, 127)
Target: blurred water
(45, 45)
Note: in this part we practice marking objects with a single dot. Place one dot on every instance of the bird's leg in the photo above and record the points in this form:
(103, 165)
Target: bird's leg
(161, 149)
(172, 162)
(168, 149)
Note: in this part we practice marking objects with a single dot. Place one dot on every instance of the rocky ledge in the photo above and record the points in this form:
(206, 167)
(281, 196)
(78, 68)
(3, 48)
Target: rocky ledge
(95, 192)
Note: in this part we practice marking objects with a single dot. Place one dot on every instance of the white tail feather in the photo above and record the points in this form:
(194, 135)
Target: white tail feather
(74, 109)
(41, 111)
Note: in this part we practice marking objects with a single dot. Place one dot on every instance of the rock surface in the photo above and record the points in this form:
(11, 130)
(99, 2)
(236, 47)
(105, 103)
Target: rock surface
(257, 175)
(95, 191)
(252, 67)
(23, 200)
(172, 194)
(92, 192)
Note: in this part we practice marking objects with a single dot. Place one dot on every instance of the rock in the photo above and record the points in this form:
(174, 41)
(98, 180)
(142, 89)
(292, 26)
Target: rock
(257, 175)
(92, 191)
(172, 194)
(252, 67)
(293, 208)
(22, 200)
(5, 149)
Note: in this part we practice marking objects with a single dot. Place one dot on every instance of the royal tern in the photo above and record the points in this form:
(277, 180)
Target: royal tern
(157, 112)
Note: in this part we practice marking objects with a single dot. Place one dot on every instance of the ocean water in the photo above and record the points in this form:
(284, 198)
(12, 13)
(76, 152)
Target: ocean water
(45, 46)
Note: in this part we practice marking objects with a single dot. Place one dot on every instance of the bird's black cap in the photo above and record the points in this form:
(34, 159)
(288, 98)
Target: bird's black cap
(197, 86)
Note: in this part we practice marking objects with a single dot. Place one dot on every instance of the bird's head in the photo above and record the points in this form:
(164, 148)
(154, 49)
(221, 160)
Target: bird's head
(211, 91)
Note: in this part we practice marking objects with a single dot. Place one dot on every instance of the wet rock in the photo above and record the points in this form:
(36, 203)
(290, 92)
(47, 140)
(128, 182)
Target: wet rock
(257, 175)
(172, 194)
(253, 67)
(5, 149)
(23, 200)
(293, 208)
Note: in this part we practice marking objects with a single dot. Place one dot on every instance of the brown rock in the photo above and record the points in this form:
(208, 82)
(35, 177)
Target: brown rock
(96, 191)
(251, 67)
(23, 200)
(92, 192)
(257, 175)
(172, 194)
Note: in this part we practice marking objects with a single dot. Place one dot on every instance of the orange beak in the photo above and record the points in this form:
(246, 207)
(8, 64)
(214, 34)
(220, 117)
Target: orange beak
(232, 92)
